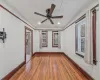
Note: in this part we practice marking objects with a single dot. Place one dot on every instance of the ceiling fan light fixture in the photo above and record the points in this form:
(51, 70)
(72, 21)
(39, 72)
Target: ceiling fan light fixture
(39, 23)
(58, 23)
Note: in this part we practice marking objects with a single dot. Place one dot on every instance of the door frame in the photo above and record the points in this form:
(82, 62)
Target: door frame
(26, 28)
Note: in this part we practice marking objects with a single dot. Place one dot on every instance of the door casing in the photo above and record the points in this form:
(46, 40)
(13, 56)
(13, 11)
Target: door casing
(26, 28)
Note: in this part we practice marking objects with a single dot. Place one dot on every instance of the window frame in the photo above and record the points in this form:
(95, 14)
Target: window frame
(81, 21)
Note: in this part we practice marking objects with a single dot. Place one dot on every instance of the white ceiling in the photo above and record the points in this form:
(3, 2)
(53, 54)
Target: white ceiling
(67, 8)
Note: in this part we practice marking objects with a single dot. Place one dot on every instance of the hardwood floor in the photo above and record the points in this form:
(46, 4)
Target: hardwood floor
(49, 67)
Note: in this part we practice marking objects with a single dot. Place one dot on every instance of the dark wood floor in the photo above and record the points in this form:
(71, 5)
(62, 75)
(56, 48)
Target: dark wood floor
(49, 67)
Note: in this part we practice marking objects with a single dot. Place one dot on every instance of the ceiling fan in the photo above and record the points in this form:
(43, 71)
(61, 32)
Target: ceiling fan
(49, 14)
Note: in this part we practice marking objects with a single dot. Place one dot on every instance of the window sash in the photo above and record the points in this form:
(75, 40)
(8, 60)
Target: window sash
(44, 39)
(55, 39)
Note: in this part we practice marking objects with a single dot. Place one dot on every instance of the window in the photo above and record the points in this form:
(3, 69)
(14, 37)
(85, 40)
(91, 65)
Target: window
(44, 37)
(80, 37)
(55, 39)
(83, 38)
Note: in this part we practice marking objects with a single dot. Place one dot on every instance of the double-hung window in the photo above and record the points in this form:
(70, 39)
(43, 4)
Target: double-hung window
(80, 37)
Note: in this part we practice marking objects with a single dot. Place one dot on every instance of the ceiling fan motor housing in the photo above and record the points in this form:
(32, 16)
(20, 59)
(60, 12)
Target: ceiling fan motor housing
(48, 11)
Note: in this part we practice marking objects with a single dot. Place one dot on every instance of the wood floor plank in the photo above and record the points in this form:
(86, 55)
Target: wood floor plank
(49, 67)
(76, 72)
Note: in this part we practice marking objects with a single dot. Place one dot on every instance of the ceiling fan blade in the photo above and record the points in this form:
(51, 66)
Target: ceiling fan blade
(57, 17)
(51, 21)
(52, 8)
(39, 14)
(43, 21)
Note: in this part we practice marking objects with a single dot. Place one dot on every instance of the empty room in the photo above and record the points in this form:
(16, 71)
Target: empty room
(49, 40)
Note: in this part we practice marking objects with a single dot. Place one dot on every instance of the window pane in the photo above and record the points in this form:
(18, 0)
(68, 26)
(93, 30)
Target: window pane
(83, 45)
(83, 30)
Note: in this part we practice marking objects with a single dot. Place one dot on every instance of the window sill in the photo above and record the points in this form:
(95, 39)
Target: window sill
(80, 55)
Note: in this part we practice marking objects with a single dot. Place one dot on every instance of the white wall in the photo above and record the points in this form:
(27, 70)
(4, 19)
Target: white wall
(36, 40)
(69, 40)
(82, 12)
(49, 48)
(69, 49)
(12, 51)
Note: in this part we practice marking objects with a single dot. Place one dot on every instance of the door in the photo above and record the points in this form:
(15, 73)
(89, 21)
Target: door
(28, 44)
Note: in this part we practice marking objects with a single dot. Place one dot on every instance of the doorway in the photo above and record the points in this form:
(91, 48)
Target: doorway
(28, 44)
